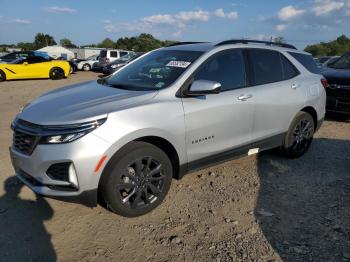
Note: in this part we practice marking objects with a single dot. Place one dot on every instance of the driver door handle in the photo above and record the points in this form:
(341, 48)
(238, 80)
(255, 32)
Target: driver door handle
(244, 97)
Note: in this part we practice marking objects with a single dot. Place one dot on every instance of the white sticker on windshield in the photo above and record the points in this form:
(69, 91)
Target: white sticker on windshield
(181, 64)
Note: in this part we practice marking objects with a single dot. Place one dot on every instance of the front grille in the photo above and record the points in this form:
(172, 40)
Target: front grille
(23, 142)
(59, 171)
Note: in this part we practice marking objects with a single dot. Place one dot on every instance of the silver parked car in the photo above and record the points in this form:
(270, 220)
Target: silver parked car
(168, 112)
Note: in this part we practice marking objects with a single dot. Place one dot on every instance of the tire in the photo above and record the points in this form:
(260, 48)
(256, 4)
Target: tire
(136, 180)
(86, 67)
(2, 76)
(299, 136)
(56, 73)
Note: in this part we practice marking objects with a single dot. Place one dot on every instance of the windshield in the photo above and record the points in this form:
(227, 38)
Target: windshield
(342, 63)
(154, 71)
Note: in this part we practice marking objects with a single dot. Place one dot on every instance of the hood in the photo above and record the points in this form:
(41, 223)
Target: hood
(80, 103)
(336, 76)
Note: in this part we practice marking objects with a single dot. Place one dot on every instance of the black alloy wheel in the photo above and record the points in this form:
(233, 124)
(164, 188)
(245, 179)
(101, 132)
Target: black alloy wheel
(56, 73)
(136, 179)
(299, 136)
(141, 183)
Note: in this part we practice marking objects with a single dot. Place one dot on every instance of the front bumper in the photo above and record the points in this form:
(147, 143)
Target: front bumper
(84, 154)
(338, 99)
(338, 105)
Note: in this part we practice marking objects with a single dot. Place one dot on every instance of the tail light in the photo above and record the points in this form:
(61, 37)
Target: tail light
(324, 82)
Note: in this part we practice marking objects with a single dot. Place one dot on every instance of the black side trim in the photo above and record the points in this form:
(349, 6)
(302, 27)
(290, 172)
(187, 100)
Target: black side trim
(265, 144)
(10, 70)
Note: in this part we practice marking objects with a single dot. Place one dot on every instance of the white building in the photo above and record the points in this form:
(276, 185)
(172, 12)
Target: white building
(56, 51)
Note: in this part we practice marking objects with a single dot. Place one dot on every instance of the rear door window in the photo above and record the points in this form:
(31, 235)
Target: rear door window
(307, 61)
(266, 66)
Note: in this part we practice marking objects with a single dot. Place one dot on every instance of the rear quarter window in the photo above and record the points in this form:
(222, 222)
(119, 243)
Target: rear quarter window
(289, 70)
(307, 61)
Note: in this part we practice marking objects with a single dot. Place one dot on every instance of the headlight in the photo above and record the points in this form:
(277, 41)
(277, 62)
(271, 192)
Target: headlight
(114, 66)
(68, 133)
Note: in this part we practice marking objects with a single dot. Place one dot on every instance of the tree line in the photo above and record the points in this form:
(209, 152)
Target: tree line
(141, 43)
(338, 46)
(146, 42)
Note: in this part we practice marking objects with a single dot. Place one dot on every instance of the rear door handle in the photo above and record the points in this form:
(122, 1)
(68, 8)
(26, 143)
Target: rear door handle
(244, 97)
(294, 86)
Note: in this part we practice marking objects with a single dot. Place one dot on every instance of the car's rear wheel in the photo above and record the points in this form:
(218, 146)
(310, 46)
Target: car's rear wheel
(56, 73)
(86, 67)
(136, 180)
(2, 76)
(299, 136)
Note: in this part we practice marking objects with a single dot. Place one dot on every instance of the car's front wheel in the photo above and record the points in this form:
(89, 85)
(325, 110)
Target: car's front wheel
(56, 73)
(136, 180)
(299, 136)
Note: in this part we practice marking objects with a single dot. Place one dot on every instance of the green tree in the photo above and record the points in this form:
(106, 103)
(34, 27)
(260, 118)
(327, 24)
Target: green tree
(42, 40)
(26, 46)
(67, 43)
(107, 43)
(141, 43)
(337, 47)
(279, 39)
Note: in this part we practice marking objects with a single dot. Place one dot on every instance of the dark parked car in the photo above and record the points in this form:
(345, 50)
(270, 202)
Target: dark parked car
(15, 55)
(338, 90)
(119, 63)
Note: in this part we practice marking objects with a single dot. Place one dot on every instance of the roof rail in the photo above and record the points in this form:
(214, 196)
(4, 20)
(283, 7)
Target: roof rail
(247, 41)
(185, 43)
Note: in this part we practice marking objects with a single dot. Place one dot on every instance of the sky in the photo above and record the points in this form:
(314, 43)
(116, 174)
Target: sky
(86, 22)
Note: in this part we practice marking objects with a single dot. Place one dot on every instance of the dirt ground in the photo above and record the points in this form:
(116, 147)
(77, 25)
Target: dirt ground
(257, 208)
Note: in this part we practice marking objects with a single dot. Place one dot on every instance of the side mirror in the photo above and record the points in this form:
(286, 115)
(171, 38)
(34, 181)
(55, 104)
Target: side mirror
(25, 63)
(203, 87)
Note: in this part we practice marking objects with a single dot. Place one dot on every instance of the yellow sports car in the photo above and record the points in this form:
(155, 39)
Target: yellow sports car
(34, 67)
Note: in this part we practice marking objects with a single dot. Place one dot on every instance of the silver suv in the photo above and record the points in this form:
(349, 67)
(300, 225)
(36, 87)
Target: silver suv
(173, 110)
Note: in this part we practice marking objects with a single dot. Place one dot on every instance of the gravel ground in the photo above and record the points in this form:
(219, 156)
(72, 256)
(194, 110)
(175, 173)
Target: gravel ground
(257, 208)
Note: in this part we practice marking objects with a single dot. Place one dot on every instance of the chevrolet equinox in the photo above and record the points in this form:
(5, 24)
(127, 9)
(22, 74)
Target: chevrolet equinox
(176, 109)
